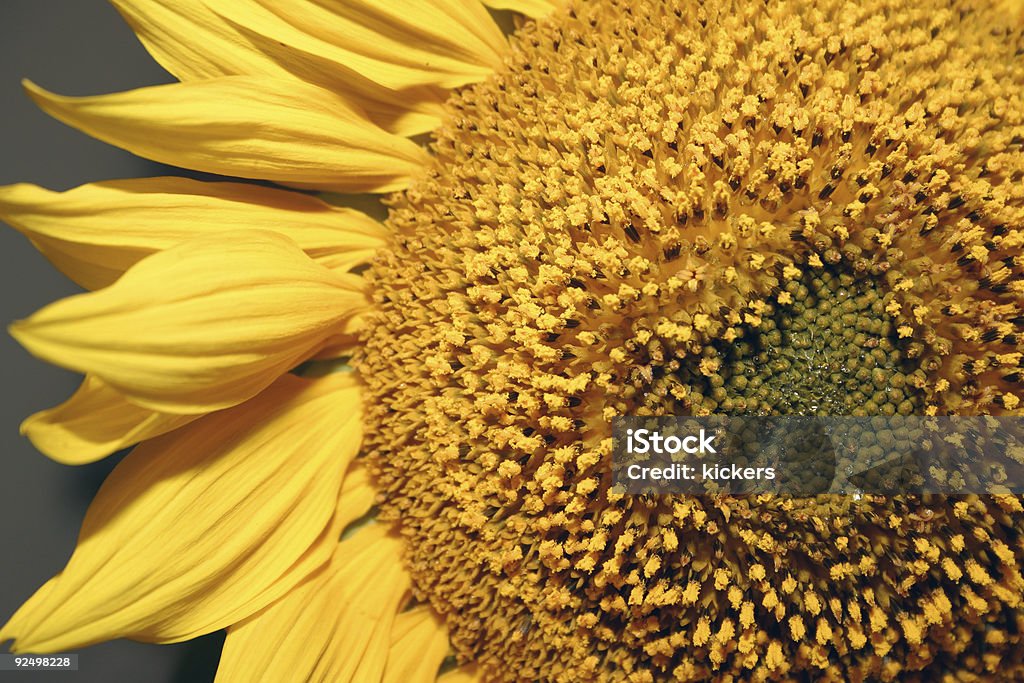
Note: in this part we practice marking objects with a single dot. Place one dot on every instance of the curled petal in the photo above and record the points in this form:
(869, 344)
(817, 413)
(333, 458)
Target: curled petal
(95, 232)
(249, 127)
(95, 422)
(201, 326)
(201, 528)
(336, 627)
(193, 42)
(419, 645)
(400, 44)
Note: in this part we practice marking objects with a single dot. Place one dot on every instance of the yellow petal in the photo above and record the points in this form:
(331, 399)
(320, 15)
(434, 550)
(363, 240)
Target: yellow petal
(198, 529)
(536, 9)
(419, 644)
(185, 38)
(334, 628)
(95, 232)
(193, 42)
(399, 44)
(201, 326)
(357, 496)
(249, 127)
(95, 422)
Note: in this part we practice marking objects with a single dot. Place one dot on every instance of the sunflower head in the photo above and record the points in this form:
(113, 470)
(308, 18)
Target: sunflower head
(628, 208)
(790, 208)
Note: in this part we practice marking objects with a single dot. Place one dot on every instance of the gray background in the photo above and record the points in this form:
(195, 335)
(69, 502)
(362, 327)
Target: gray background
(74, 47)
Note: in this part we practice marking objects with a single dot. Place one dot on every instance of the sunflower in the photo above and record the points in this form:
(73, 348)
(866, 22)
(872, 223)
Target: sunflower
(379, 450)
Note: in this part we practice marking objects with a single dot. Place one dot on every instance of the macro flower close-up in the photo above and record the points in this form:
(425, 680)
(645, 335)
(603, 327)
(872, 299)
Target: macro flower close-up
(368, 357)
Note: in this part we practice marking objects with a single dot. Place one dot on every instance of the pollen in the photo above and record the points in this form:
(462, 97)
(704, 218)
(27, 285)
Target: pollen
(659, 208)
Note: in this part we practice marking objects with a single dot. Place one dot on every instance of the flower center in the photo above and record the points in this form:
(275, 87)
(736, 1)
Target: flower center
(832, 350)
(802, 207)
